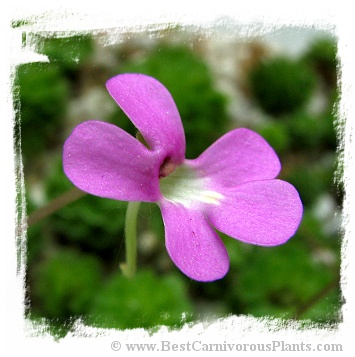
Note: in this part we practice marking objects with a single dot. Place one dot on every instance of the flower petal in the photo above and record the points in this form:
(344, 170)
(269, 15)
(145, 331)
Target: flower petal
(192, 243)
(104, 160)
(152, 110)
(261, 212)
(237, 157)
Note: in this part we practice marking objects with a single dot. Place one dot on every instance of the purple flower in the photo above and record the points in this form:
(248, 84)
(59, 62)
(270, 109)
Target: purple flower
(230, 187)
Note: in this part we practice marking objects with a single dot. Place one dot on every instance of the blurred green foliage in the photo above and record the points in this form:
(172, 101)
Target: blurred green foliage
(43, 97)
(322, 58)
(145, 301)
(69, 52)
(74, 255)
(270, 289)
(65, 282)
(91, 223)
(202, 108)
(45, 90)
(281, 85)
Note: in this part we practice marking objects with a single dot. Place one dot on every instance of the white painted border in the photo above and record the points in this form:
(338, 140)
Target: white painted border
(78, 16)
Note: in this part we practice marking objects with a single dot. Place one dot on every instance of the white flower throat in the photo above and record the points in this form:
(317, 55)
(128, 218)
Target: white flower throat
(184, 186)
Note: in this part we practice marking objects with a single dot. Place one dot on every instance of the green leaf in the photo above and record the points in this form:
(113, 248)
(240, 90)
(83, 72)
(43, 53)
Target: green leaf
(145, 301)
(65, 283)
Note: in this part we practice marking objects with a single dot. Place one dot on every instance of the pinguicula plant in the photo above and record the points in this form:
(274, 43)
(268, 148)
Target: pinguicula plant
(231, 187)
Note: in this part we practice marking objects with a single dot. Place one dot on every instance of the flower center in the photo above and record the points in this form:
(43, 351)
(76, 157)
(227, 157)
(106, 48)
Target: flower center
(182, 185)
(166, 168)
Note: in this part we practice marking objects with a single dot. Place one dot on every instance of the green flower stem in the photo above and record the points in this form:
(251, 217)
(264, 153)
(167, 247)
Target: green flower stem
(129, 268)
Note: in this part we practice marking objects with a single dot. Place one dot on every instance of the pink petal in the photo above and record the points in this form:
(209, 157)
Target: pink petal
(103, 160)
(193, 245)
(261, 212)
(152, 110)
(237, 157)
